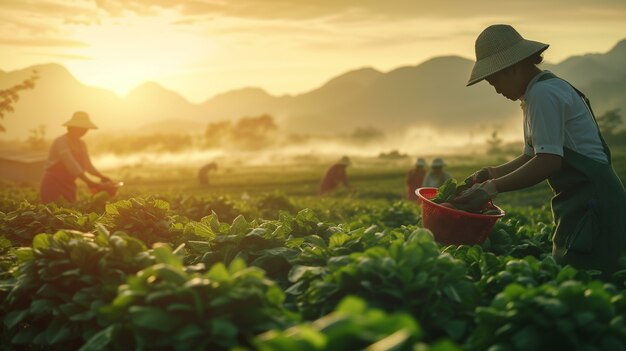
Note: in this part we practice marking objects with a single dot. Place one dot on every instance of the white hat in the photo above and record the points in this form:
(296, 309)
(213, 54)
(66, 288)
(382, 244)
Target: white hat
(80, 119)
(438, 162)
(498, 47)
(345, 160)
(420, 162)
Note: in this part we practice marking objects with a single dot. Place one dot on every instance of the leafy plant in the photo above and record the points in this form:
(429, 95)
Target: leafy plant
(446, 192)
(62, 280)
(394, 215)
(562, 315)
(271, 204)
(196, 208)
(7, 258)
(352, 326)
(22, 224)
(413, 276)
(149, 220)
(518, 237)
(167, 306)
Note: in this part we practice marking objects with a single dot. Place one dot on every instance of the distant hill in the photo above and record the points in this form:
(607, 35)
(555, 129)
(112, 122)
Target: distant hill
(583, 70)
(430, 94)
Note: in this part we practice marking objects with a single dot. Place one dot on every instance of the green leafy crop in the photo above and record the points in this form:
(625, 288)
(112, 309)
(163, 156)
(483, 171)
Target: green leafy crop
(569, 315)
(446, 192)
(167, 306)
(61, 282)
(352, 326)
(413, 277)
(149, 220)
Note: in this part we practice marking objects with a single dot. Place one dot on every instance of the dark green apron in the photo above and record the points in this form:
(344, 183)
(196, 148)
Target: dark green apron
(589, 209)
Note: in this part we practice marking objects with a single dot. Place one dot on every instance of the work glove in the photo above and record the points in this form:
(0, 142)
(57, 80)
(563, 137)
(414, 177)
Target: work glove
(476, 198)
(480, 176)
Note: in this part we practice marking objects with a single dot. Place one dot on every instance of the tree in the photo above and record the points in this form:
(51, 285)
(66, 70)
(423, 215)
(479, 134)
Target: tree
(216, 133)
(254, 132)
(610, 122)
(364, 135)
(10, 96)
(494, 143)
(37, 138)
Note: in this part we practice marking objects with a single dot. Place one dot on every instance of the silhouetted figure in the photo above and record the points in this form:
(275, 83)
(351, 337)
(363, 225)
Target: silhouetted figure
(335, 175)
(68, 159)
(203, 173)
(414, 178)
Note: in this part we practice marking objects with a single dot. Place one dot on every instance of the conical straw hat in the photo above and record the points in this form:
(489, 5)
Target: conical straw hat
(498, 47)
(80, 119)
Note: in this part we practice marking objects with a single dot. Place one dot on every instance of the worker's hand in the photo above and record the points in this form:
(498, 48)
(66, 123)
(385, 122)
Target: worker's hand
(480, 176)
(476, 197)
(91, 184)
(105, 179)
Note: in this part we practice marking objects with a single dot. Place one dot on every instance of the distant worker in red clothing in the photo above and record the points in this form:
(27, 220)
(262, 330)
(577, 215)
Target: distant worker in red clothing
(414, 178)
(335, 175)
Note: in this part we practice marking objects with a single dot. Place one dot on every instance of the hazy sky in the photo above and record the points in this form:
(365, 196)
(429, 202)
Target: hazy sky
(200, 48)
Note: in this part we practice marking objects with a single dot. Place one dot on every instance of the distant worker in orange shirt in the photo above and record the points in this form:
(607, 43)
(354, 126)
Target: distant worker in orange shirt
(335, 175)
(414, 178)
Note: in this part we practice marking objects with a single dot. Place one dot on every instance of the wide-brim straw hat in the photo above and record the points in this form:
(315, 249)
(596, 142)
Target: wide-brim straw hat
(438, 162)
(500, 46)
(80, 119)
(345, 160)
(420, 162)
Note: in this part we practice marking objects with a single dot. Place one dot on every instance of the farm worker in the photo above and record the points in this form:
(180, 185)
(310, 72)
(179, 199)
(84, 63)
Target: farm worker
(203, 177)
(414, 178)
(68, 159)
(335, 175)
(436, 176)
(563, 144)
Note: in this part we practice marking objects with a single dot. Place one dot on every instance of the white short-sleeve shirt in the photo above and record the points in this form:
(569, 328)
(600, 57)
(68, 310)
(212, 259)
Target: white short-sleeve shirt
(555, 116)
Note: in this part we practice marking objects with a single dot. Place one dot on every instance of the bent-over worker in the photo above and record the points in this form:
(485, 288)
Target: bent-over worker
(563, 145)
(68, 159)
(335, 176)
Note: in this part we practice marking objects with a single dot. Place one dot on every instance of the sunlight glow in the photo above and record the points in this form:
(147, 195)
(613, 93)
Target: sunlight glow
(128, 51)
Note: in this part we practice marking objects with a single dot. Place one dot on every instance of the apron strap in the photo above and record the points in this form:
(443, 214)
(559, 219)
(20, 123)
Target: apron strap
(550, 75)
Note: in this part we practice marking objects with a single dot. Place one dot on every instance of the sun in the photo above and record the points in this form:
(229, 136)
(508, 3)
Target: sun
(125, 52)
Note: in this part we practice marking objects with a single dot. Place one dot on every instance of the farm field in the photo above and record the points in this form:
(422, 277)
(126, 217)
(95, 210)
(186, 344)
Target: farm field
(257, 261)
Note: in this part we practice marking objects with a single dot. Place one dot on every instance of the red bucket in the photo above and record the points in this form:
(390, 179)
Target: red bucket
(454, 227)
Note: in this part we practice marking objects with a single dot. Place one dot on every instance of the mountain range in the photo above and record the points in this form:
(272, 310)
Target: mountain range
(430, 94)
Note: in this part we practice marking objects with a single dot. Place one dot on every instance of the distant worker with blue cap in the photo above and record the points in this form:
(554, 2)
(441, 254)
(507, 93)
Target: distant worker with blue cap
(436, 176)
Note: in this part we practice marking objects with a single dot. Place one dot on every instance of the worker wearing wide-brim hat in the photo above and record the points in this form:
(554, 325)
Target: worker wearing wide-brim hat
(436, 176)
(563, 145)
(335, 176)
(68, 159)
(415, 178)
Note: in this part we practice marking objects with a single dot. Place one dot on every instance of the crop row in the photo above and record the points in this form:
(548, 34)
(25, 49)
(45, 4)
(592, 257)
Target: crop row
(144, 274)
